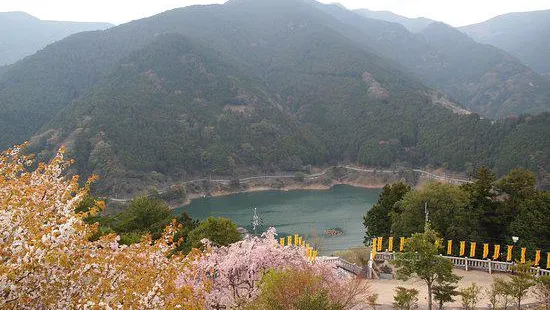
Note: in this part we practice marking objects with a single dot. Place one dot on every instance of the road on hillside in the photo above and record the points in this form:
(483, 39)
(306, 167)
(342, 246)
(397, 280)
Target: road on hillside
(313, 176)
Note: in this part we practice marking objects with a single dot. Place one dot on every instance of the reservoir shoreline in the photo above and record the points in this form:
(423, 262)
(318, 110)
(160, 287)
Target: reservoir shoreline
(295, 187)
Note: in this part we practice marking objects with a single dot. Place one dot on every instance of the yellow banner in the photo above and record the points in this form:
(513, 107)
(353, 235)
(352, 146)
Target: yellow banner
(496, 255)
(449, 247)
(523, 250)
(537, 257)
(472, 249)
(485, 250)
(379, 244)
(373, 248)
(289, 240)
(282, 241)
(547, 260)
(462, 248)
(296, 240)
(314, 255)
(401, 244)
(509, 254)
(390, 244)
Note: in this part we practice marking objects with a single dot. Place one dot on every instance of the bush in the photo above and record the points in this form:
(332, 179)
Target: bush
(219, 231)
(502, 289)
(444, 292)
(307, 289)
(521, 281)
(493, 295)
(470, 296)
(405, 299)
(144, 214)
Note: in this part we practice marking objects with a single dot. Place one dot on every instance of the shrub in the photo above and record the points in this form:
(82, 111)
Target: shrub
(493, 294)
(219, 231)
(470, 296)
(405, 299)
(304, 289)
(444, 292)
(502, 289)
(521, 281)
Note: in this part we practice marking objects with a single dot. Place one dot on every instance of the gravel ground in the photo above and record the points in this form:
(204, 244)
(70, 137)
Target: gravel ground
(385, 289)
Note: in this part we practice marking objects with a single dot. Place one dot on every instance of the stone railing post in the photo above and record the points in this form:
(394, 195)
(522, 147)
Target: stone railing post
(490, 265)
(466, 263)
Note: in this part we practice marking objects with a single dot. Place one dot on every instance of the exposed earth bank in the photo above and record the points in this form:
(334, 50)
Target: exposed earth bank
(317, 179)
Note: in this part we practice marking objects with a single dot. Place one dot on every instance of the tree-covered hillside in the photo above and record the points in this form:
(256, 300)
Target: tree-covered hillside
(525, 35)
(482, 78)
(248, 87)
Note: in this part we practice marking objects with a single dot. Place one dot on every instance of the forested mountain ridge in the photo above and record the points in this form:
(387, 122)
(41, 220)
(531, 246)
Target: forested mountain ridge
(246, 87)
(482, 78)
(525, 35)
(487, 80)
(23, 34)
(412, 24)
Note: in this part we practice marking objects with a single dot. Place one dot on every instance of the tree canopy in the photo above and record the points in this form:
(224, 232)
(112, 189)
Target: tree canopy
(486, 210)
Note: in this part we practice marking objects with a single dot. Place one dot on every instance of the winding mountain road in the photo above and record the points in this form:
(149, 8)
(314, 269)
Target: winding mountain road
(289, 175)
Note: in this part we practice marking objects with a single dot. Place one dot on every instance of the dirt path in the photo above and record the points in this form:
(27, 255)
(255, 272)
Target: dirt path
(385, 289)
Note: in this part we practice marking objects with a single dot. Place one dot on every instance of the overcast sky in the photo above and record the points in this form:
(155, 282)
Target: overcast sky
(453, 12)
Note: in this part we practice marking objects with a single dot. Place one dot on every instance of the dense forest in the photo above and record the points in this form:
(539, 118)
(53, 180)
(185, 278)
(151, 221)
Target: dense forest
(488, 210)
(253, 87)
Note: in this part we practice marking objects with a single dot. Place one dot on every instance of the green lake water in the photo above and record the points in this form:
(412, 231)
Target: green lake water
(299, 211)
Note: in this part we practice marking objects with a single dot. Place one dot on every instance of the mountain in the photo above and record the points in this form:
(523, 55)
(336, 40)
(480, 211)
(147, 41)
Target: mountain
(247, 87)
(486, 79)
(23, 34)
(482, 78)
(525, 35)
(412, 24)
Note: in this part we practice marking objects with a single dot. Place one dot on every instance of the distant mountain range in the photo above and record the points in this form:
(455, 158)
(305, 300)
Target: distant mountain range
(524, 35)
(484, 79)
(412, 24)
(23, 34)
(273, 85)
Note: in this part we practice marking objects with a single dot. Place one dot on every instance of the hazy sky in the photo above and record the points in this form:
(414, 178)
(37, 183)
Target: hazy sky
(454, 12)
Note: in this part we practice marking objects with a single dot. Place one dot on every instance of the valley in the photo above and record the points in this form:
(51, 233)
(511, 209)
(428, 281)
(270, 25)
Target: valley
(274, 154)
(210, 90)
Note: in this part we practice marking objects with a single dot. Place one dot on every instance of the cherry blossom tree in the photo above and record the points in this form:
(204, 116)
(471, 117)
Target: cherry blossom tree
(48, 262)
(235, 270)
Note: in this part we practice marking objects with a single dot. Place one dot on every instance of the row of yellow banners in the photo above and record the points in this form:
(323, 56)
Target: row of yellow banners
(299, 241)
(377, 247)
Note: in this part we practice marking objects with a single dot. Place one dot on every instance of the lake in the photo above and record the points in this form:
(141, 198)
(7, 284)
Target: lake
(299, 211)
